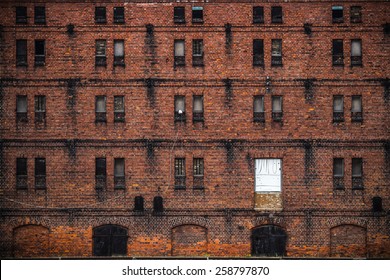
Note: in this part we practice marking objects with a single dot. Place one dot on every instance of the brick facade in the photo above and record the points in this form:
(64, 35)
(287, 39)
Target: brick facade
(218, 212)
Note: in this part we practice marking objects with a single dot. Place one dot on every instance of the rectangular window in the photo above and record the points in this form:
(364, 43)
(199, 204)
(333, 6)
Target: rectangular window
(40, 108)
(180, 53)
(258, 14)
(198, 173)
(276, 14)
(357, 173)
(268, 175)
(258, 52)
(277, 111)
(119, 173)
(119, 15)
(197, 112)
(40, 173)
(338, 108)
(356, 52)
(21, 52)
(39, 15)
(338, 52)
(180, 108)
(21, 15)
(197, 14)
(179, 15)
(100, 53)
(39, 53)
(276, 52)
(21, 108)
(180, 173)
(119, 53)
(197, 52)
(100, 15)
(356, 109)
(338, 173)
(119, 108)
(337, 14)
(100, 108)
(258, 108)
(356, 14)
(21, 173)
(100, 173)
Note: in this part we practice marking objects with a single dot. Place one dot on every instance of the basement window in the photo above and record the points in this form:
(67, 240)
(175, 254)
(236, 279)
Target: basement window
(39, 53)
(258, 108)
(356, 14)
(119, 15)
(197, 52)
(100, 15)
(119, 53)
(119, 173)
(356, 52)
(39, 15)
(258, 52)
(356, 109)
(197, 14)
(40, 109)
(268, 175)
(21, 52)
(179, 53)
(119, 108)
(40, 173)
(337, 14)
(21, 108)
(276, 52)
(179, 15)
(198, 170)
(197, 113)
(258, 14)
(338, 173)
(276, 14)
(100, 53)
(357, 173)
(277, 112)
(180, 173)
(338, 53)
(338, 108)
(180, 108)
(21, 15)
(100, 173)
(21, 173)
(100, 109)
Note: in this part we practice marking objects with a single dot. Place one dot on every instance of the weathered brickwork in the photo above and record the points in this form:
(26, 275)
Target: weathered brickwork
(71, 216)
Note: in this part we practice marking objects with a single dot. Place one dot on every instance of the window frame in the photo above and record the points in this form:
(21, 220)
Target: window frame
(258, 52)
(21, 116)
(277, 57)
(40, 175)
(119, 60)
(338, 178)
(179, 60)
(40, 108)
(21, 58)
(337, 52)
(100, 15)
(258, 14)
(179, 15)
(21, 177)
(336, 17)
(100, 116)
(197, 17)
(180, 173)
(119, 114)
(357, 179)
(100, 173)
(100, 59)
(119, 179)
(21, 15)
(338, 115)
(356, 16)
(258, 116)
(198, 173)
(197, 58)
(197, 115)
(260, 162)
(276, 14)
(39, 15)
(119, 15)
(277, 115)
(357, 60)
(179, 116)
(39, 59)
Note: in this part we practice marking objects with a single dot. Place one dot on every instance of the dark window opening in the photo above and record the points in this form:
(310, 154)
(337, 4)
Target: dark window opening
(119, 15)
(21, 52)
(119, 108)
(179, 15)
(119, 173)
(338, 173)
(197, 113)
(119, 53)
(356, 52)
(197, 52)
(276, 14)
(179, 53)
(356, 109)
(158, 206)
(258, 15)
(258, 108)
(180, 108)
(198, 169)
(356, 14)
(197, 14)
(21, 108)
(100, 53)
(338, 108)
(40, 108)
(100, 173)
(338, 53)
(100, 109)
(100, 15)
(40, 173)
(21, 173)
(258, 52)
(377, 204)
(337, 14)
(357, 173)
(39, 15)
(138, 203)
(110, 240)
(277, 112)
(21, 15)
(39, 52)
(276, 52)
(269, 241)
(180, 173)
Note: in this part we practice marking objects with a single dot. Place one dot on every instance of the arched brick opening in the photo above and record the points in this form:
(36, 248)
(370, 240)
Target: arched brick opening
(189, 240)
(31, 241)
(268, 240)
(109, 240)
(348, 241)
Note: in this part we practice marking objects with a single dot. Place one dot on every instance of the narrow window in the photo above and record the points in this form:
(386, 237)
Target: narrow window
(21, 173)
(337, 14)
(357, 173)
(180, 173)
(197, 114)
(258, 52)
(276, 52)
(338, 173)
(338, 108)
(258, 108)
(40, 173)
(356, 109)
(338, 52)
(197, 14)
(179, 15)
(198, 173)
(180, 108)
(119, 108)
(258, 14)
(138, 203)
(119, 53)
(119, 173)
(21, 108)
(356, 52)
(277, 112)
(119, 15)
(39, 15)
(356, 14)
(39, 53)
(100, 108)
(100, 15)
(21, 15)
(276, 14)
(40, 108)
(100, 53)
(21, 52)
(180, 53)
(100, 173)
(197, 52)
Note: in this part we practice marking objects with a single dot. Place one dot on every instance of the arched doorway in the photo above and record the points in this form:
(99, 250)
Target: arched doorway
(268, 240)
(31, 241)
(110, 240)
(189, 240)
(348, 241)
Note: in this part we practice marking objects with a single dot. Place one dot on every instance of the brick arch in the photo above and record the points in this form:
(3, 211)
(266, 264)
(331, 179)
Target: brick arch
(109, 240)
(348, 240)
(268, 240)
(31, 241)
(189, 240)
